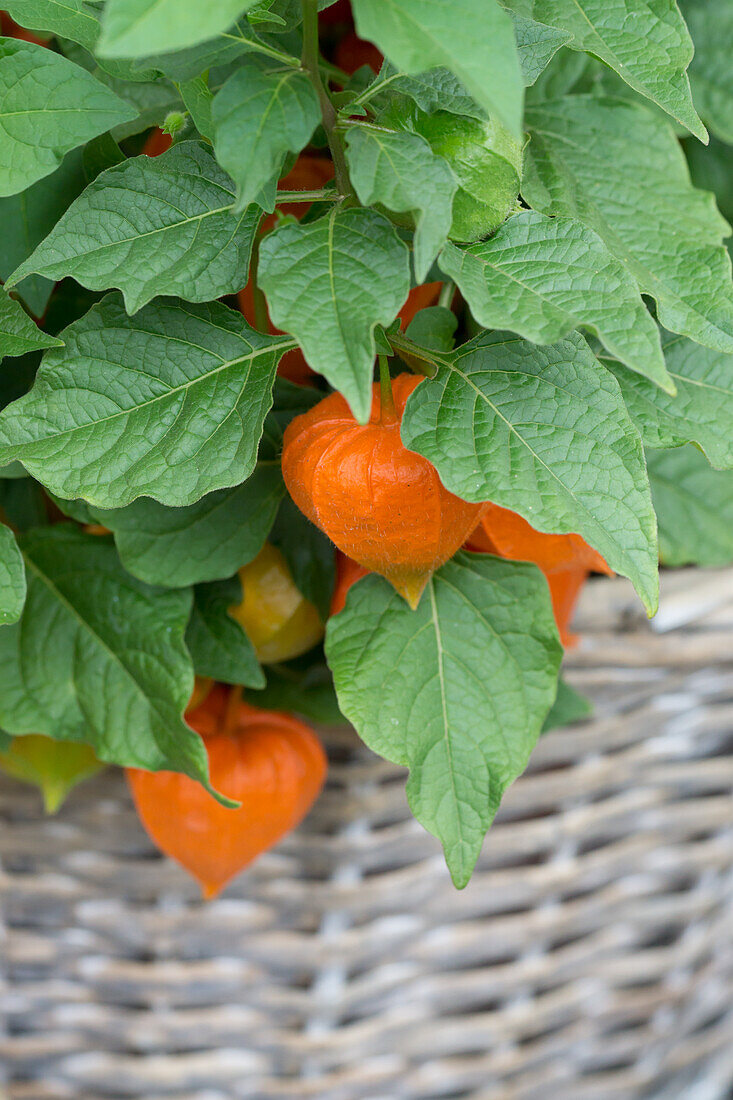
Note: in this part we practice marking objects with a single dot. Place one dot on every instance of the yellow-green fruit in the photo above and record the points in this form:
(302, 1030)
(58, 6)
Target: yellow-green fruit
(486, 161)
(53, 766)
(277, 618)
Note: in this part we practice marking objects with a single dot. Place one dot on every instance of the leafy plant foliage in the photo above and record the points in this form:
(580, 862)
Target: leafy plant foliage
(519, 206)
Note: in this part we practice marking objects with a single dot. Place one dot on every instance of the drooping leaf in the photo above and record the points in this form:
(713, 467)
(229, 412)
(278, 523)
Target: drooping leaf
(47, 107)
(457, 690)
(537, 44)
(472, 38)
(614, 166)
(168, 404)
(401, 172)
(131, 27)
(309, 554)
(543, 431)
(694, 506)
(74, 19)
(647, 44)
(434, 90)
(569, 706)
(330, 283)
(217, 643)
(152, 226)
(542, 277)
(701, 412)
(205, 541)
(28, 217)
(12, 578)
(216, 53)
(711, 74)
(261, 113)
(18, 334)
(55, 767)
(99, 657)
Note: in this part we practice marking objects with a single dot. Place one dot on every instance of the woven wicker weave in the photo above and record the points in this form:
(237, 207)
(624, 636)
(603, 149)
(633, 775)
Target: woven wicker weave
(590, 958)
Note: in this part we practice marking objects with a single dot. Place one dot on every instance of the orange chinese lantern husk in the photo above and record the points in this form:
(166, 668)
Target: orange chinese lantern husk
(420, 297)
(157, 143)
(566, 560)
(272, 763)
(348, 572)
(353, 52)
(382, 505)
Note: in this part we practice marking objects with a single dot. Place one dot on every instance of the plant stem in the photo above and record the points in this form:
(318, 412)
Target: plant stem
(306, 196)
(388, 412)
(310, 62)
(262, 316)
(418, 359)
(446, 294)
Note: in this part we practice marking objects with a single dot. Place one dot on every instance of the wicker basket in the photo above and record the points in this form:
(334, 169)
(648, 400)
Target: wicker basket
(590, 958)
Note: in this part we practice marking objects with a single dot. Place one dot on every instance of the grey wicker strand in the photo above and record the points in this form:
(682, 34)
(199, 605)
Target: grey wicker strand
(590, 958)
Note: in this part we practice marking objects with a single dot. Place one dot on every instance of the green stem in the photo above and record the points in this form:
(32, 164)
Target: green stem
(388, 412)
(446, 294)
(310, 63)
(371, 91)
(306, 196)
(418, 359)
(261, 47)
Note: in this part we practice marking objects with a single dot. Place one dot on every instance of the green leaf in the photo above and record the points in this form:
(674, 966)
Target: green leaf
(569, 706)
(456, 691)
(331, 283)
(47, 107)
(131, 27)
(543, 431)
(198, 98)
(702, 411)
(22, 501)
(309, 554)
(219, 646)
(181, 240)
(72, 19)
(99, 657)
(205, 541)
(472, 38)
(537, 44)
(433, 327)
(168, 404)
(99, 154)
(542, 277)
(616, 167)
(28, 217)
(711, 74)
(218, 53)
(12, 578)
(400, 171)
(647, 44)
(308, 692)
(435, 90)
(694, 506)
(18, 334)
(55, 767)
(262, 112)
